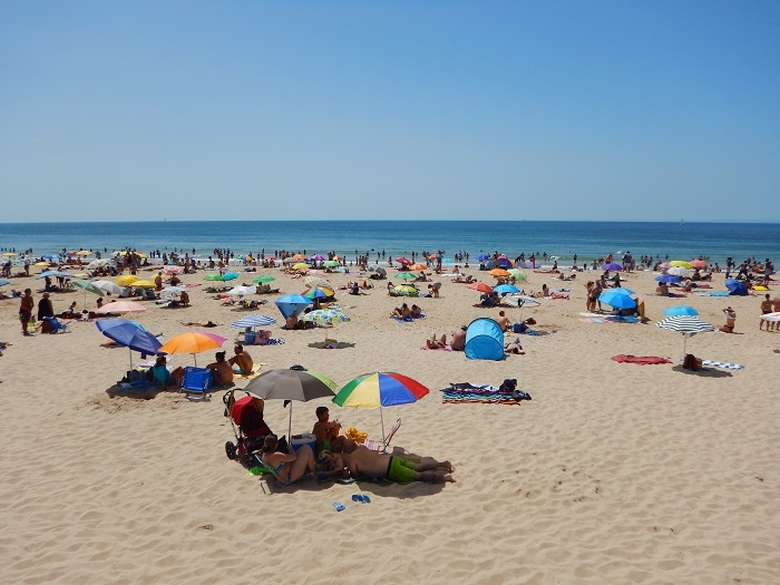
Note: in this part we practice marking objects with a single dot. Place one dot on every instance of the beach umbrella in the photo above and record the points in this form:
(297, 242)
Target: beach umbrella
(55, 274)
(680, 310)
(255, 320)
(229, 276)
(129, 334)
(688, 325)
(612, 266)
(517, 274)
(295, 383)
(505, 289)
(86, 286)
(126, 279)
(325, 317)
(698, 264)
(680, 271)
(668, 278)
(318, 293)
(213, 277)
(263, 279)
(312, 281)
(291, 304)
(331, 263)
(299, 256)
(418, 267)
(118, 307)
(736, 287)
(480, 286)
(98, 263)
(380, 389)
(617, 298)
(43, 263)
(108, 287)
(171, 270)
(241, 291)
(300, 266)
(406, 276)
(317, 257)
(498, 272)
(142, 284)
(405, 290)
(404, 260)
(84, 253)
(190, 342)
(680, 264)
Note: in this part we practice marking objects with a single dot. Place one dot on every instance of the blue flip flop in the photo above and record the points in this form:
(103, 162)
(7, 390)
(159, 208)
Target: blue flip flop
(361, 498)
(339, 506)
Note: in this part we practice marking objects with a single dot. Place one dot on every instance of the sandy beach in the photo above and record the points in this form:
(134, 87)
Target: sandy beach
(612, 473)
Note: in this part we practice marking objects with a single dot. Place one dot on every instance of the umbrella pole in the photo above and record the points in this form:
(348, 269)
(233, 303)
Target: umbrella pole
(685, 344)
(289, 427)
(382, 422)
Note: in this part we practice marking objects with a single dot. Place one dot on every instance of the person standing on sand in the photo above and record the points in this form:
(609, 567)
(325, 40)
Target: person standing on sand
(26, 310)
(766, 308)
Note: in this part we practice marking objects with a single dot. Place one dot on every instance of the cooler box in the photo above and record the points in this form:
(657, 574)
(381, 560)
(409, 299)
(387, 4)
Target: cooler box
(299, 441)
(250, 337)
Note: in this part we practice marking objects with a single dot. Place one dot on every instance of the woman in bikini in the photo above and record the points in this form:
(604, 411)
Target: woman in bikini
(287, 467)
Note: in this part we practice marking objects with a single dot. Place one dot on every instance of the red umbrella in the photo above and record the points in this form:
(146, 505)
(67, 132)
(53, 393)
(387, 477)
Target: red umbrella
(403, 260)
(698, 264)
(480, 286)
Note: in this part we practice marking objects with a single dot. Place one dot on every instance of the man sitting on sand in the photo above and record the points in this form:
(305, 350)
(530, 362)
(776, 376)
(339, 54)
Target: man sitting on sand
(242, 362)
(221, 371)
(503, 321)
(362, 462)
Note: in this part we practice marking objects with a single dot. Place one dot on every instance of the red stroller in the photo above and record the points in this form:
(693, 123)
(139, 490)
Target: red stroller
(246, 418)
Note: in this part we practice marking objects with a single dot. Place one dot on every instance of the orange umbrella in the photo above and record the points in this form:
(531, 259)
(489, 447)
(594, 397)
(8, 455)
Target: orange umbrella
(498, 272)
(299, 257)
(191, 342)
(417, 266)
(480, 286)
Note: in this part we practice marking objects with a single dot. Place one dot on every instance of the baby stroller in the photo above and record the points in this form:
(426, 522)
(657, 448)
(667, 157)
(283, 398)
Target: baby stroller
(246, 418)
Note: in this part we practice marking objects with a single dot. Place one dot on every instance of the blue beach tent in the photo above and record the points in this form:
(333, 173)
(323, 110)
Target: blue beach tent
(484, 340)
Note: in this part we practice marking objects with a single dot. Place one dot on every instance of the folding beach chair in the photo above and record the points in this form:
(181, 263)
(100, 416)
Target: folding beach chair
(55, 325)
(196, 381)
(375, 445)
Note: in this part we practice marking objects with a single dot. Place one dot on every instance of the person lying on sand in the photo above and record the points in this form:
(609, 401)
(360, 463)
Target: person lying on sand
(433, 343)
(200, 324)
(362, 462)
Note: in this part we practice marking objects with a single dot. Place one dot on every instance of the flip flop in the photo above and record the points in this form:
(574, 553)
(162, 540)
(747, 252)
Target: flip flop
(339, 506)
(361, 498)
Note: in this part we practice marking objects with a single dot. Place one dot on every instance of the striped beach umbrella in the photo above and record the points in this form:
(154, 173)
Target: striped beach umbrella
(688, 325)
(250, 321)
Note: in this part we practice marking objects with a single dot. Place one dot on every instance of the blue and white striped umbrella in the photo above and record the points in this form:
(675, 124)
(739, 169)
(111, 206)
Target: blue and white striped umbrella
(253, 321)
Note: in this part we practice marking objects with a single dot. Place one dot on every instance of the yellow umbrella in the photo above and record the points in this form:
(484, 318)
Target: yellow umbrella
(126, 279)
(142, 284)
(301, 266)
(9, 254)
(83, 253)
(41, 263)
(680, 264)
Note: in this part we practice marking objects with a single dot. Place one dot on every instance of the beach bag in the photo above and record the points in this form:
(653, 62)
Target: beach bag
(519, 328)
(691, 362)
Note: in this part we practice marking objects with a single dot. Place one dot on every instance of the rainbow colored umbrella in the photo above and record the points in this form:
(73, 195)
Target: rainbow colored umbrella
(380, 389)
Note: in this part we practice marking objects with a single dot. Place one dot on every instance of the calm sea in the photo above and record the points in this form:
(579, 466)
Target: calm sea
(589, 240)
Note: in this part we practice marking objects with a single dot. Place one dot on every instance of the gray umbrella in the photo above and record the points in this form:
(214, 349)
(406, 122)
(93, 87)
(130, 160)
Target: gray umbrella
(295, 383)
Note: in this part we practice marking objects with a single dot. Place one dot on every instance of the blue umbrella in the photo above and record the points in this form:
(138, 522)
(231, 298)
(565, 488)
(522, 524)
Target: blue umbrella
(504, 289)
(618, 299)
(736, 287)
(129, 334)
(229, 276)
(668, 278)
(54, 273)
(613, 266)
(292, 304)
(680, 310)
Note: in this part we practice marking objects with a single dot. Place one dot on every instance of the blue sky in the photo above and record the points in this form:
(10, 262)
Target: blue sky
(389, 110)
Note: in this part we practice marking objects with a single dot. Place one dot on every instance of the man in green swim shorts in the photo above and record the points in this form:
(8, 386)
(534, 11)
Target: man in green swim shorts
(364, 462)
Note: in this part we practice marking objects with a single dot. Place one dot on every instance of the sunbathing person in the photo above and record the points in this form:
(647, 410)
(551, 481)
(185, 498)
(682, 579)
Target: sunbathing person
(458, 339)
(416, 312)
(242, 362)
(433, 343)
(221, 370)
(402, 313)
(514, 347)
(287, 467)
(362, 462)
(200, 324)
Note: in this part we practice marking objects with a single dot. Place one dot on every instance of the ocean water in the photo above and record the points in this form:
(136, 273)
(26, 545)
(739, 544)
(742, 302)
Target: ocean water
(561, 240)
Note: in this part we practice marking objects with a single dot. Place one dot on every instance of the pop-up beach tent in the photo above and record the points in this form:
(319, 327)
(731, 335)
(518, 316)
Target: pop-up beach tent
(484, 340)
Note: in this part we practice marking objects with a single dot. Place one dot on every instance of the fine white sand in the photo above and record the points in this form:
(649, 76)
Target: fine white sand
(613, 473)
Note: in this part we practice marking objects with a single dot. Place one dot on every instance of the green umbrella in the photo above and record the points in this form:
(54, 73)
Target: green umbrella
(406, 275)
(263, 278)
(86, 286)
(518, 274)
(330, 263)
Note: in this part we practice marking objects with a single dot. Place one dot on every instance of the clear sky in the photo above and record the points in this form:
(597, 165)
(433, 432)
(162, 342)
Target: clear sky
(537, 110)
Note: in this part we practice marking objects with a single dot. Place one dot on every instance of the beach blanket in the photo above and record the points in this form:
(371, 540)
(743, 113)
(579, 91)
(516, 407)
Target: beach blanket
(642, 360)
(714, 293)
(409, 319)
(722, 365)
(466, 393)
(274, 341)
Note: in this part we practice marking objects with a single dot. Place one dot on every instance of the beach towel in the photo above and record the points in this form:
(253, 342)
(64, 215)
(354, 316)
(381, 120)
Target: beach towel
(642, 360)
(467, 393)
(274, 341)
(722, 365)
(714, 293)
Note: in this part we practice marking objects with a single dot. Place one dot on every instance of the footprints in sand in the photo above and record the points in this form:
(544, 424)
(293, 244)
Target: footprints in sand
(575, 485)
